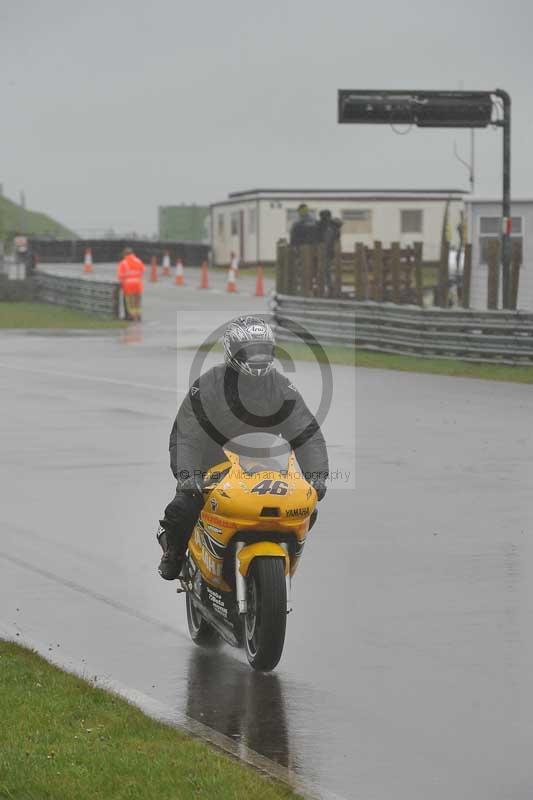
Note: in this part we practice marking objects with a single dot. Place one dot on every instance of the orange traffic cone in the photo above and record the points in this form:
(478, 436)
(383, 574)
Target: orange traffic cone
(231, 285)
(153, 271)
(166, 264)
(204, 276)
(88, 260)
(260, 283)
(180, 277)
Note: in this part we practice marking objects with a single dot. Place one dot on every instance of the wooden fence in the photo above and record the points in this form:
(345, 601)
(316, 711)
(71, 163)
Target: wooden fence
(397, 275)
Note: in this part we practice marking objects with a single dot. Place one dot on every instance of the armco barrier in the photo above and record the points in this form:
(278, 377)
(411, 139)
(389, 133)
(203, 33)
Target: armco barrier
(95, 297)
(491, 336)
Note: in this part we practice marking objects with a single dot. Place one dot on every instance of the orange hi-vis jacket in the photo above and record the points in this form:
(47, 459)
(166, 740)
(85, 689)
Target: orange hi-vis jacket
(129, 272)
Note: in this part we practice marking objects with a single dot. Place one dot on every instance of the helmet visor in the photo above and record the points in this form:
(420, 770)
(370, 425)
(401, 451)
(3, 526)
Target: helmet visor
(257, 355)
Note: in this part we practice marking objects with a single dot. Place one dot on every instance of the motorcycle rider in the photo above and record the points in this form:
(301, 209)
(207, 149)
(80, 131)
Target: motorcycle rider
(245, 394)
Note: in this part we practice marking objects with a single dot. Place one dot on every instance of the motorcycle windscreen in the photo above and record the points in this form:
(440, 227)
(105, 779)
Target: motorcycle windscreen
(260, 452)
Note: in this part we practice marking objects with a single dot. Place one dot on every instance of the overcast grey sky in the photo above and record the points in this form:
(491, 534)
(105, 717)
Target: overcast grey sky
(109, 110)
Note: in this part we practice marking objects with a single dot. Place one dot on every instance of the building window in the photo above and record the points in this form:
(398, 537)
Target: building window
(490, 229)
(252, 221)
(357, 220)
(234, 223)
(411, 220)
(221, 225)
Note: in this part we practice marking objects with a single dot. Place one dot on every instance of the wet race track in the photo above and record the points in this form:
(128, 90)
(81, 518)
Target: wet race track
(408, 662)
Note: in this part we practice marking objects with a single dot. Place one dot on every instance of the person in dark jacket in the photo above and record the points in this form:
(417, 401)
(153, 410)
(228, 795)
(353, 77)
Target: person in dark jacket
(243, 395)
(304, 230)
(328, 234)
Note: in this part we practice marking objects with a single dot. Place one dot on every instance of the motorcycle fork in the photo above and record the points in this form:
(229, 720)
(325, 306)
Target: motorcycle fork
(288, 580)
(240, 581)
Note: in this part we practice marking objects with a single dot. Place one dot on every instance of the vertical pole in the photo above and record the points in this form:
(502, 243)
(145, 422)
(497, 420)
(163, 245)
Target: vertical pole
(257, 229)
(418, 274)
(493, 270)
(306, 251)
(378, 272)
(444, 274)
(359, 271)
(280, 257)
(395, 264)
(506, 199)
(467, 275)
(516, 262)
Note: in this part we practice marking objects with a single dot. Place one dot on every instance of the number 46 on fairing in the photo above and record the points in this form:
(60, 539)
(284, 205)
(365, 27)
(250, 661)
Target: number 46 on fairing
(271, 487)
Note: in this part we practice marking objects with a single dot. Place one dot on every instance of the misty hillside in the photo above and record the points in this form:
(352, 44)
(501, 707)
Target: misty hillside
(17, 220)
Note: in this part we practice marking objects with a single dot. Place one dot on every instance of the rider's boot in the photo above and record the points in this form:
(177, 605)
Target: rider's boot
(171, 560)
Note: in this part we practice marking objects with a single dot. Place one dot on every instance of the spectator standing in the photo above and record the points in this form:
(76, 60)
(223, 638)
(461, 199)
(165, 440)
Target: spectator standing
(130, 273)
(304, 230)
(328, 234)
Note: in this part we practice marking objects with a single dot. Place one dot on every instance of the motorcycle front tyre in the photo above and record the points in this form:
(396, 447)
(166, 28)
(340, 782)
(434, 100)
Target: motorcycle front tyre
(266, 618)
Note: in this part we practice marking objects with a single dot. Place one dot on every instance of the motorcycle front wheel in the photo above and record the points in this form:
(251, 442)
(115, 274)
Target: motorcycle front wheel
(266, 618)
(201, 631)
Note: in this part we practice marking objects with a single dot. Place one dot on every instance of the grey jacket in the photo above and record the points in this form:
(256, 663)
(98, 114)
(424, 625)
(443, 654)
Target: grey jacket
(213, 412)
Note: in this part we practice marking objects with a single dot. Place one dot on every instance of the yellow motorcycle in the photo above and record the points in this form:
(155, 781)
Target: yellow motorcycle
(245, 548)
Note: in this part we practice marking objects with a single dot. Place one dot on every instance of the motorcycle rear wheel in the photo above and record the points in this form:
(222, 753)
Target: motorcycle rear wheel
(201, 632)
(266, 618)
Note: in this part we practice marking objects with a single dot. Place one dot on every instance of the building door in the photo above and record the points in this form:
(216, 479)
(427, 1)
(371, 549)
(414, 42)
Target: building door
(241, 236)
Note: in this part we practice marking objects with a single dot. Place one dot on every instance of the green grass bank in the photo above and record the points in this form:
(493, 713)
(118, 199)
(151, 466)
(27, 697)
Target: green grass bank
(43, 315)
(62, 738)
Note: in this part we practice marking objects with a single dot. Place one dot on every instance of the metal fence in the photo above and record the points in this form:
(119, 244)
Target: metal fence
(106, 251)
(95, 297)
(491, 336)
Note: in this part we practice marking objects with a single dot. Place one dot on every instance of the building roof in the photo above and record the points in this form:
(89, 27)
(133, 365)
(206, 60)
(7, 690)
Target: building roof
(320, 195)
(345, 192)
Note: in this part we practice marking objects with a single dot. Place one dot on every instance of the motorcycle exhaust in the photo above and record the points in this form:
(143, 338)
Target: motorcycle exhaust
(223, 629)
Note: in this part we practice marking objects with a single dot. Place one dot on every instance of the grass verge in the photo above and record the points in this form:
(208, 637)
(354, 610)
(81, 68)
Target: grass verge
(444, 366)
(43, 315)
(61, 738)
(300, 352)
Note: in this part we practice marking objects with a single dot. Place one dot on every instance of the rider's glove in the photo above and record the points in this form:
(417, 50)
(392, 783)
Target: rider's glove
(189, 484)
(320, 487)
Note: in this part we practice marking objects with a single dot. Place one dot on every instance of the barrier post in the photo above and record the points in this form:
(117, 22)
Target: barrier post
(443, 275)
(419, 282)
(467, 275)
(306, 252)
(378, 272)
(360, 272)
(493, 273)
(395, 268)
(516, 263)
(321, 270)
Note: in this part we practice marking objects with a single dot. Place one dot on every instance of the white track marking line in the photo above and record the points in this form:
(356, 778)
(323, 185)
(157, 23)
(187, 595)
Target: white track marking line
(95, 378)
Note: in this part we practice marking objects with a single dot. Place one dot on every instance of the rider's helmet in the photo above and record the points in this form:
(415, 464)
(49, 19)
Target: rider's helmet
(249, 346)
